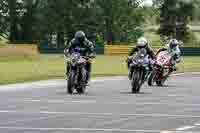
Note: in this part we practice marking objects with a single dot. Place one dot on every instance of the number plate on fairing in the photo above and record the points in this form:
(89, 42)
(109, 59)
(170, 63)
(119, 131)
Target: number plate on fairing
(163, 58)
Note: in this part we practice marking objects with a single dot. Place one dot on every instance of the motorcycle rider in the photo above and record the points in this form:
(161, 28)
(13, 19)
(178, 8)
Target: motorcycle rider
(86, 49)
(141, 43)
(174, 50)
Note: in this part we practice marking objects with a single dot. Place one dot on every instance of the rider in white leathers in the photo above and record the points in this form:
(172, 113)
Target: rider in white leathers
(174, 50)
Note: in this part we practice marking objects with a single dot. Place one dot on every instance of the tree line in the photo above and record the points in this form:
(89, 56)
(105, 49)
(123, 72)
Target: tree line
(111, 20)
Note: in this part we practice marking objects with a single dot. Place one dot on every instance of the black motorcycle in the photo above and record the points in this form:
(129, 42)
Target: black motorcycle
(77, 76)
(139, 70)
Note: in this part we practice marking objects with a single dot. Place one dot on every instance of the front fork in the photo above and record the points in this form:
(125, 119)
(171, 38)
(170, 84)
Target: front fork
(81, 75)
(146, 73)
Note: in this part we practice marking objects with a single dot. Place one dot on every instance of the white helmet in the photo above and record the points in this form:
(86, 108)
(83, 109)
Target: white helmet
(142, 42)
(173, 43)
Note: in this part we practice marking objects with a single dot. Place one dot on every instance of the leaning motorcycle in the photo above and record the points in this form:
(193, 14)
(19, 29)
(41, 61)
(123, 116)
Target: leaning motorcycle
(77, 76)
(138, 70)
(161, 69)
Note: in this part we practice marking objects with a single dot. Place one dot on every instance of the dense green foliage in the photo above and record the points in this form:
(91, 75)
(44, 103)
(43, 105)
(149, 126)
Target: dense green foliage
(111, 20)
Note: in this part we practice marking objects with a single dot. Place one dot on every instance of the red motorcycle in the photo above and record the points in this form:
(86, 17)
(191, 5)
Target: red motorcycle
(161, 69)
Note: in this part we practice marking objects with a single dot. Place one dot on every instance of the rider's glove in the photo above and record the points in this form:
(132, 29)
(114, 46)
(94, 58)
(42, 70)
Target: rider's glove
(178, 60)
(66, 53)
(92, 55)
(129, 58)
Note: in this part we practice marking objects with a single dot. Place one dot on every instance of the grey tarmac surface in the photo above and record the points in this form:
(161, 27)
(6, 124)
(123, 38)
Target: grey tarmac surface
(107, 107)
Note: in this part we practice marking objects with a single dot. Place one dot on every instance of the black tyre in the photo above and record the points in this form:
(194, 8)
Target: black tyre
(80, 89)
(82, 84)
(162, 82)
(141, 81)
(70, 82)
(151, 79)
(136, 82)
(159, 83)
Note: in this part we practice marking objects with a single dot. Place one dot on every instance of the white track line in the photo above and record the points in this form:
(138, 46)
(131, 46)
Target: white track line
(179, 132)
(97, 114)
(103, 124)
(195, 72)
(179, 74)
(61, 83)
(43, 118)
(108, 102)
(51, 83)
(184, 128)
(197, 124)
(87, 129)
(31, 119)
(84, 101)
(59, 101)
(166, 132)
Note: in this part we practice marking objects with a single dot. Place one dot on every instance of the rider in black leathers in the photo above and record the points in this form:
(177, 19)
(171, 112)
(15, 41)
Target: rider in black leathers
(86, 49)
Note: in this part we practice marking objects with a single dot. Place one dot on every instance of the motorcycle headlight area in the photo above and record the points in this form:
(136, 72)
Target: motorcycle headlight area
(140, 60)
(81, 60)
(74, 58)
(142, 55)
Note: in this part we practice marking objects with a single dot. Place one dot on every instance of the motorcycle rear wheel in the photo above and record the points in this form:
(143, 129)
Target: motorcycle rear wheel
(151, 79)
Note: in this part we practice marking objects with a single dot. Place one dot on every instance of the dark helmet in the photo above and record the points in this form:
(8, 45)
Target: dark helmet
(173, 43)
(80, 36)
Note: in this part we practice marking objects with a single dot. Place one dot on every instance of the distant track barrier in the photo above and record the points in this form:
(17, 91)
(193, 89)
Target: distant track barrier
(116, 49)
(45, 49)
(19, 50)
(123, 50)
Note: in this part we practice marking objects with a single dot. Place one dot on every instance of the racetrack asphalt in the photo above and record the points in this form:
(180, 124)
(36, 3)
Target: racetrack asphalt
(107, 107)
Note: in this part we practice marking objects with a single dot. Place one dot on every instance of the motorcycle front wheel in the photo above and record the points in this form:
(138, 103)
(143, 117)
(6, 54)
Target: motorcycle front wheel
(82, 82)
(161, 82)
(136, 81)
(71, 82)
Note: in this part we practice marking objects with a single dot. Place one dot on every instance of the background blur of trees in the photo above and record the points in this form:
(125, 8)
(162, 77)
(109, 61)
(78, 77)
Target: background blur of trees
(111, 20)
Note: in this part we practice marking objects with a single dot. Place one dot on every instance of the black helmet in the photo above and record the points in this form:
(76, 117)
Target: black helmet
(80, 36)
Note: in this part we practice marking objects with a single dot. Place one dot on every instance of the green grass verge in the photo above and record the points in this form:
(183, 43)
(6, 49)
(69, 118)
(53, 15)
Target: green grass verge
(2, 44)
(189, 64)
(23, 69)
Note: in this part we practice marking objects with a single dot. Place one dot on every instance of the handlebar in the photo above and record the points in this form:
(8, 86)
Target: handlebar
(87, 57)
